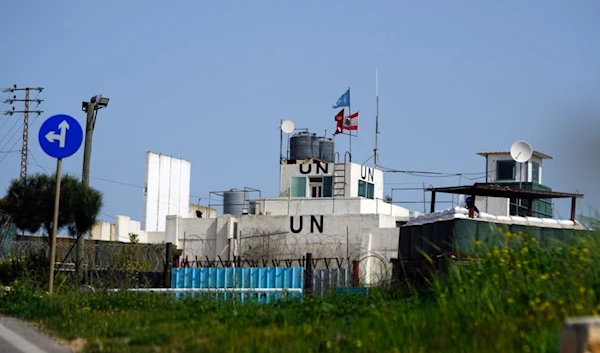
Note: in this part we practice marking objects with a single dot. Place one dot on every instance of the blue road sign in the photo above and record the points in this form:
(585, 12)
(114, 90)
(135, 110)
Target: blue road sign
(60, 136)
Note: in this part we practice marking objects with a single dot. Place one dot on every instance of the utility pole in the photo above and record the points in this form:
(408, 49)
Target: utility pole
(91, 108)
(26, 100)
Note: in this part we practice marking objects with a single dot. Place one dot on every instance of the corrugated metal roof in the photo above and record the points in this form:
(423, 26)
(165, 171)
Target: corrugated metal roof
(494, 190)
(535, 153)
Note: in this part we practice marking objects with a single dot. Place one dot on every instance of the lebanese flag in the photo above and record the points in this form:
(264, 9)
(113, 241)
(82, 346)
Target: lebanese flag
(339, 118)
(351, 122)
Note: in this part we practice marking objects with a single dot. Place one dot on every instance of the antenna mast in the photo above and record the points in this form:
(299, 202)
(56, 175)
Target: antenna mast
(25, 112)
(375, 150)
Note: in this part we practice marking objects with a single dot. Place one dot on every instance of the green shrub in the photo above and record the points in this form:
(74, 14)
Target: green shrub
(513, 298)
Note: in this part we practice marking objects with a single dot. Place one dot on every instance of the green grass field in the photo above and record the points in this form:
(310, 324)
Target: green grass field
(514, 299)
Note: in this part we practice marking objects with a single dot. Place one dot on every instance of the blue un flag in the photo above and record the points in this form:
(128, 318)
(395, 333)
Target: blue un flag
(343, 101)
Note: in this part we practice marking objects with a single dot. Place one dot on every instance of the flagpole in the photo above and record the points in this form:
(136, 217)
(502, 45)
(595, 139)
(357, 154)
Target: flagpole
(349, 131)
(280, 150)
(375, 154)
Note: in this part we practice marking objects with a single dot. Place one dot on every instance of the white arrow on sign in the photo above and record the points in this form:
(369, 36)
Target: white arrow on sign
(53, 136)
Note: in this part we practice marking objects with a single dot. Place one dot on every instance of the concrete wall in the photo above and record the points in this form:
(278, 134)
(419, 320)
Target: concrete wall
(125, 225)
(166, 190)
(280, 237)
(496, 206)
(103, 231)
(352, 174)
(527, 167)
(364, 173)
(305, 170)
(371, 239)
(206, 212)
(501, 206)
(327, 205)
(375, 263)
(119, 231)
(156, 237)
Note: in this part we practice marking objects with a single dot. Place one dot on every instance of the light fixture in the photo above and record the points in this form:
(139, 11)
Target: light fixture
(98, 100)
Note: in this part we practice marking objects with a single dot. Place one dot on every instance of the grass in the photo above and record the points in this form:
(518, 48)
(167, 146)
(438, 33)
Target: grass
(513, 299)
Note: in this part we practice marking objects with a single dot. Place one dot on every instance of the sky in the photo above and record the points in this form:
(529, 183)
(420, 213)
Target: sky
(210, 81)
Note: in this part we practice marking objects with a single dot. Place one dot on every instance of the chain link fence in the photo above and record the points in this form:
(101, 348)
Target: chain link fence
(107, 264)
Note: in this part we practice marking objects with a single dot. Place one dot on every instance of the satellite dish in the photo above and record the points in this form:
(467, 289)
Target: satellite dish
(521, 151)
(288, 126)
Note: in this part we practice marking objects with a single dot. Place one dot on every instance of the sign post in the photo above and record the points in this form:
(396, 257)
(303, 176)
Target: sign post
(60, 137)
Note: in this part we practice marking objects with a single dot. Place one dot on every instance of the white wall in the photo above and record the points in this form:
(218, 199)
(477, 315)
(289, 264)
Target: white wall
(306, 170)
(368, 174)
(371, 239)
(352, 174)
(327, 205)
(156, 237)
(103, 231)
(166, 190)
(206, 212)
(300, 234)
(496, 206)
(527, 167)
(125, 225)
(501, 206)
(381, 246)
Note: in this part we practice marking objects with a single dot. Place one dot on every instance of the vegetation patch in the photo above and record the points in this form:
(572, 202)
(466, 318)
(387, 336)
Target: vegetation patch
(513, 298)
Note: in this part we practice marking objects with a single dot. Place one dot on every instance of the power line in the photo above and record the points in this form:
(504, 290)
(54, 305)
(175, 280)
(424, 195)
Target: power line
(26, 111)
(37, 163)
(431, 174)
(16, 141)
(106, 180)
(10, 130)
(12, 147)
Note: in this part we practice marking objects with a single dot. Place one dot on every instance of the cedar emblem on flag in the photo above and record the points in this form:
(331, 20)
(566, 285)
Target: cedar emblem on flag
(346, 123)
(351, 122)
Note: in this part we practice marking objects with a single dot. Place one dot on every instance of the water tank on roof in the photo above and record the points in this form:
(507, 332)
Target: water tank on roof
(326, 150)
(234, 202)
(302, 146)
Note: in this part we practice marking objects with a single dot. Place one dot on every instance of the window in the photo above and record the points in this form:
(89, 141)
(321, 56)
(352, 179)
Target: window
(505, 170)
(327, 186)
(298, 187)
(366, 189)
(535, 172)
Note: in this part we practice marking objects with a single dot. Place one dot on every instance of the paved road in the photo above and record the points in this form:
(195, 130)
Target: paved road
(17, 336)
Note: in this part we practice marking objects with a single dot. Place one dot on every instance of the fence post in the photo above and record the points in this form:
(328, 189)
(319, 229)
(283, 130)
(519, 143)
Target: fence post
(355, 273)
(580, 334)
(168, 266)
(308, 274)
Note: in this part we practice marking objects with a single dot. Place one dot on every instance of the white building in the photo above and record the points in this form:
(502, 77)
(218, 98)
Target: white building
(332, 210)
(501, 169)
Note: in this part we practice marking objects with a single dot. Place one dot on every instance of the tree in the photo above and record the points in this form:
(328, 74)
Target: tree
(30, 204)
(387, 199)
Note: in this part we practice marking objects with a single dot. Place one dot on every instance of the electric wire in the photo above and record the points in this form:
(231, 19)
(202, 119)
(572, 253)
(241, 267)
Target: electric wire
(17, 140)
(106, 180)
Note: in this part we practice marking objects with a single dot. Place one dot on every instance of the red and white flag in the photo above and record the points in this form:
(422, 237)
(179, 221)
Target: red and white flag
(351, 122)
(339, 118)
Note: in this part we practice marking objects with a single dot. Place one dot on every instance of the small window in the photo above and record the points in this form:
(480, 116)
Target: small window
(505, 170)
(366, 190)
(298, 187)
(535, 172)
(327, 186)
